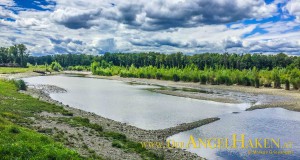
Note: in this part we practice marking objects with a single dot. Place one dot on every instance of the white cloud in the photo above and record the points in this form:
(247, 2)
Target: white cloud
(92, 27)
(293, 7)
(7, 2)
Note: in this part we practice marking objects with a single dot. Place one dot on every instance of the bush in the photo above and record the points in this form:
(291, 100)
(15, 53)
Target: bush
(287, 84)
(20, 84)
(56, 66)
(296, 83)
(158, 75)
(203, 79)
(117, 144)
(14, 130)
(175, 77)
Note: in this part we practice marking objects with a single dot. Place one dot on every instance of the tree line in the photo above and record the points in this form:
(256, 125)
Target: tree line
(213, 60)
(209, 68)
(65, 60)
(14, 56)
(277, 77)
(178, 60)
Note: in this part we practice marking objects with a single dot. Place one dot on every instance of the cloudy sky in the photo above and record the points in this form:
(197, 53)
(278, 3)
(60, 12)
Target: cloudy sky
(188, 26)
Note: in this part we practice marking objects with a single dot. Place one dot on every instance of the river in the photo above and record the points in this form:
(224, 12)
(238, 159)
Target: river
(136, 106)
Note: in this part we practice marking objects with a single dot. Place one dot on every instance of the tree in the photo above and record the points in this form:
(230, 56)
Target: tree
(23, 56)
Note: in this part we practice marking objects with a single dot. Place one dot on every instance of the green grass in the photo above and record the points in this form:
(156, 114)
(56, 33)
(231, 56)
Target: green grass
(20, 143)
(11, 70)
(79, 121)
(8, 70)
(21, 105)
(121, 141)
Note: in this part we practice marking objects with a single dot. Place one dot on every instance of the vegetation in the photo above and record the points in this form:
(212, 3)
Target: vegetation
(20, 84)
(17, 107)
(214, 76)
(56, 66)
(14, 56)
(209, 60)
(29, 68)
(120, 141)
(178, 60)
(79, 68)
(19, 142)
(64, 60)
(208, 68)
(79, 121)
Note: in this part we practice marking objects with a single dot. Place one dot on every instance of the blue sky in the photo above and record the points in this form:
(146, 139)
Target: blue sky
(188, 26)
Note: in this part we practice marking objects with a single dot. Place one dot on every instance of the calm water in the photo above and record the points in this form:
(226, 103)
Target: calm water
(131, 103)
(266, 123)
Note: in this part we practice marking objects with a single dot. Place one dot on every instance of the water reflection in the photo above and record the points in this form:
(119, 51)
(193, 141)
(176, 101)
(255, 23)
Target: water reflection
(132, 104)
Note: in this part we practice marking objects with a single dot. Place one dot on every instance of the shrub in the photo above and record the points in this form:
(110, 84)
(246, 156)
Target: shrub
(158, 75)
(14, 129)
(56, 66)
(175, 77)
(203, 79)
(20, 84)
(117, 144)
(287, 84)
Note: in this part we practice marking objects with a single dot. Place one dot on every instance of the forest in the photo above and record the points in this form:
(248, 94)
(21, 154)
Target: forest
(14, 56)
(178, 60)
(278, 70)
(256, 70)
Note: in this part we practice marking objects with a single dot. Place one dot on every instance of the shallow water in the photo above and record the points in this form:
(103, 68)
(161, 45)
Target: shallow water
(274, 123)
(132, 104)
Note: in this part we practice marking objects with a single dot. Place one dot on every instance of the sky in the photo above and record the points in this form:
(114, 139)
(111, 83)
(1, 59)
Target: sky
(167, 26)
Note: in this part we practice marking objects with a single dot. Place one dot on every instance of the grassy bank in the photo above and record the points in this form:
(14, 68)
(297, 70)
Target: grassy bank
(12, 70)
(22, 143)
(17, 142)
